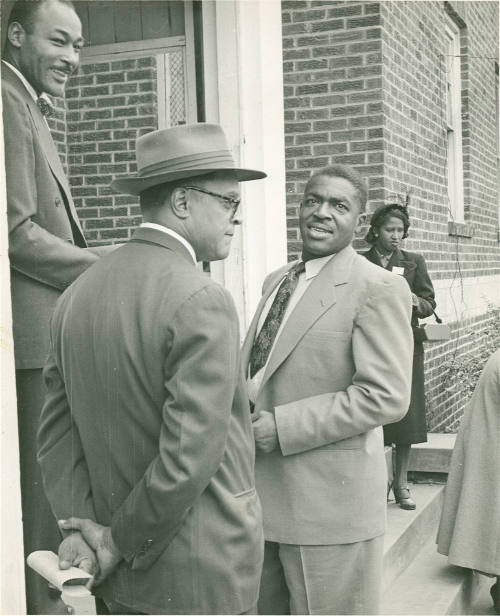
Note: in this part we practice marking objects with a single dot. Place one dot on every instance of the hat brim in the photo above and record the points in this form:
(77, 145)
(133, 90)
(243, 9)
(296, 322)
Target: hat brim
(136, 185)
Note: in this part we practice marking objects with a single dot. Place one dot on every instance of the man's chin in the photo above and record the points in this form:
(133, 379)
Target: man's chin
(55, 89)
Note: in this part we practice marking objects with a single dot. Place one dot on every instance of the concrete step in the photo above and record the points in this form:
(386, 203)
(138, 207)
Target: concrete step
(430, 586)
(408, 531)
(433, 456)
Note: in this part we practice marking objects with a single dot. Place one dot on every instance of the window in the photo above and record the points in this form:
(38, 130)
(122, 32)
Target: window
(454, 123)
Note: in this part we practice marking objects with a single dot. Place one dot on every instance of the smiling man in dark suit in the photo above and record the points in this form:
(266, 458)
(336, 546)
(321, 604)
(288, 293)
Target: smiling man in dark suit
(146, 434)
(47, 249)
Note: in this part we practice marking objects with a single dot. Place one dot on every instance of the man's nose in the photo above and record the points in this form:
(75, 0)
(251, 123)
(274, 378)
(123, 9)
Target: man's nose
(323, 210)
(71, 58)
(238, 218)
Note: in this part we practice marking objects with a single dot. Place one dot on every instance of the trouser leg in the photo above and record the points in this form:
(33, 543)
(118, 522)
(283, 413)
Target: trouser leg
(334, 579)
(274, 597)
(40, 531)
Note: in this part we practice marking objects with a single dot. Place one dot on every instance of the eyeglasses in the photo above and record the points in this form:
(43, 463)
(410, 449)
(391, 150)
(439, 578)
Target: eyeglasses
(230, 202)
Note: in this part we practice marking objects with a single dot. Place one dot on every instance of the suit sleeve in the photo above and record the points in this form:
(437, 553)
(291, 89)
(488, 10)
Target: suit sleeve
(60, 453)
(423, 289)
(201, 370)
(382, 350)
(33, 251)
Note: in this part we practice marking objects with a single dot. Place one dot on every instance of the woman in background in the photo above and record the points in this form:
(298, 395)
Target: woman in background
(389, 226)
(469, 531)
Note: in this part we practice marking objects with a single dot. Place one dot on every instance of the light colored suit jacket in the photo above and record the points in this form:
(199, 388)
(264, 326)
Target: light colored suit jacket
(146, 428)
(45, 237)
(339, 370)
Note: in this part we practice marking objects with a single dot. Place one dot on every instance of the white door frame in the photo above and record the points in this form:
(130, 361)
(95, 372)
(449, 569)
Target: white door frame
(12, 589)
(243, 83)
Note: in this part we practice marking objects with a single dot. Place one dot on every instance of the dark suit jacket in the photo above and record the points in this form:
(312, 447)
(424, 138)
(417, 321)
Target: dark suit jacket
(45, 237)
(340, 368)
(417, 277)
(146, 428)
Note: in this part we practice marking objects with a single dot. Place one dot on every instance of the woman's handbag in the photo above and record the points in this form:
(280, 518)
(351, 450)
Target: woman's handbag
(436, 331)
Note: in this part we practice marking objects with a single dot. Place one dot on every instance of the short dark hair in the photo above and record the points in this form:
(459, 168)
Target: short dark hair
(24, 12)
(154, 196)
(348, 173)
(382, 214)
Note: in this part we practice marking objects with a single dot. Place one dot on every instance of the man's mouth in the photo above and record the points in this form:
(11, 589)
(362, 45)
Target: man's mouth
(319, 230)
(61, 74)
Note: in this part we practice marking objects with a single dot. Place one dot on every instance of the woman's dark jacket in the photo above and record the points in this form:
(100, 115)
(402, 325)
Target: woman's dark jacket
(412, 428)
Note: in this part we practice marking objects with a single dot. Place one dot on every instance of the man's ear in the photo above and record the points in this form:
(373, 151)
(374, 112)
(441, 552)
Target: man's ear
(16, 34)
(179, 204)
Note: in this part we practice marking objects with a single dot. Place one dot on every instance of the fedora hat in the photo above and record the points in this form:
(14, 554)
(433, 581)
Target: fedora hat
(181, 152)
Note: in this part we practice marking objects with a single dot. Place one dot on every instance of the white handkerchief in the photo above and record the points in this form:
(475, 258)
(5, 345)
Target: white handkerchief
(398, 270)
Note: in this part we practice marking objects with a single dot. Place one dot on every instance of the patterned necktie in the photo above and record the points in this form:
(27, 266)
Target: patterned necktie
(45, 107)
(264, 341)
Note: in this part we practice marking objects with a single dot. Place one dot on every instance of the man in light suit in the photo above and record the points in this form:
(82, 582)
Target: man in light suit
(146, 433)
(329, 356)
(47, 248)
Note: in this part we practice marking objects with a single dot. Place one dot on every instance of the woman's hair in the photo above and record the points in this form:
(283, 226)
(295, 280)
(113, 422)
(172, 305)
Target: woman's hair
(382, 214)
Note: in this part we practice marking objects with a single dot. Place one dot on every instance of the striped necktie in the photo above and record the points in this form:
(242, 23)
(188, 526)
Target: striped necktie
(45, 107)
(264, 341)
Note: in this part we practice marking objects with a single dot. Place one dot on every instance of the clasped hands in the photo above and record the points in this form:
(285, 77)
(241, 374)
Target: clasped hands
(89, 547)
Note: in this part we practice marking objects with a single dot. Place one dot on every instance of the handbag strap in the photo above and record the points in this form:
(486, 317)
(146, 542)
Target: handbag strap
(438, 320)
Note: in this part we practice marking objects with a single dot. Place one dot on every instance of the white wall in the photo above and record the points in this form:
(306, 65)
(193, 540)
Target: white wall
(12, 599)
(458, 299)
(244, 93)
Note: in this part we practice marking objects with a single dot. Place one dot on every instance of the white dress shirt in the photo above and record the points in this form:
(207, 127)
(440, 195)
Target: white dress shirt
(313, 268)
(179, 238)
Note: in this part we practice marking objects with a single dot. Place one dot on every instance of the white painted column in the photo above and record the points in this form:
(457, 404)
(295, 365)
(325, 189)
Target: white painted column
(244, 92)
(12, 595)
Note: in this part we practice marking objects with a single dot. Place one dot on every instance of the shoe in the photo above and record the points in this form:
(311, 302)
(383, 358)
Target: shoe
(404, 499)
(495, 595)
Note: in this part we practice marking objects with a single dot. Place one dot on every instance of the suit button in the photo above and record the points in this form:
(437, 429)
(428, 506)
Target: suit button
(58, 201)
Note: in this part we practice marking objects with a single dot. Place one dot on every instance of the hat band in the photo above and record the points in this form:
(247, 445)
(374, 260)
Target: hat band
(219, 158)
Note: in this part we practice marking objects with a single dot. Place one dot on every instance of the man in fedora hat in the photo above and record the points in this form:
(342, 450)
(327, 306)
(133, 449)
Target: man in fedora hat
(145, 436)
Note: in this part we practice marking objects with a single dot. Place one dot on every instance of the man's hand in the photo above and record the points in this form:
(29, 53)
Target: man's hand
(100, 540)
(74, 551)
(265, 431)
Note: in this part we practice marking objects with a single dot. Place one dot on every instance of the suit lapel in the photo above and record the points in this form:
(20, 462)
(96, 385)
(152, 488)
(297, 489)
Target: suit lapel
(270, 286)
(399, 259)
(372, 256)
(319, 297)
(395, 260)
(52, 156)
(46, 141)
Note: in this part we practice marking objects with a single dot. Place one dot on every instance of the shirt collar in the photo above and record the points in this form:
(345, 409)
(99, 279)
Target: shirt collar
(314, 266)
(172, 233)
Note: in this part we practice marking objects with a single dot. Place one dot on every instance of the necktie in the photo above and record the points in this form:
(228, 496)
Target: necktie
(45, 107)
(264, 341)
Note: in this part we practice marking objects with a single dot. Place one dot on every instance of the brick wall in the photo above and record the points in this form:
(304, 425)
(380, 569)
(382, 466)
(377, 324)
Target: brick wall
(332, 67)
(109, 104)
(364, 84)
